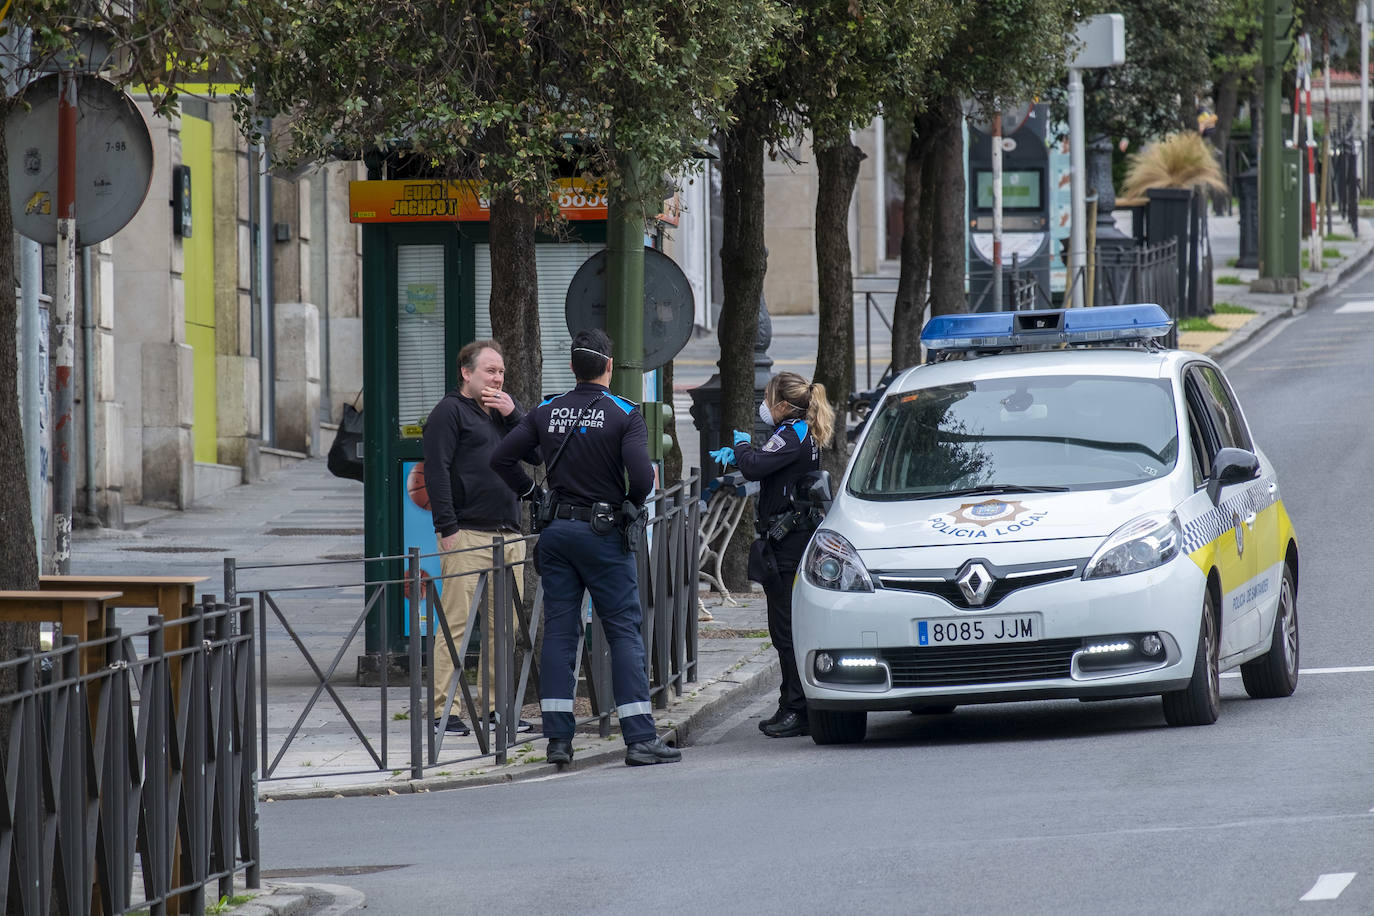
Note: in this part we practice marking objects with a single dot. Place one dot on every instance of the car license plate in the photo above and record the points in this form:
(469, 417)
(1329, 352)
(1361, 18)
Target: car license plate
(953, 632)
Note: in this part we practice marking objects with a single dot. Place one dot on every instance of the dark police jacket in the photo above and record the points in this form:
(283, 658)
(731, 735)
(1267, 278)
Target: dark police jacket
(791, 453)
(459, 437)
(607, 459)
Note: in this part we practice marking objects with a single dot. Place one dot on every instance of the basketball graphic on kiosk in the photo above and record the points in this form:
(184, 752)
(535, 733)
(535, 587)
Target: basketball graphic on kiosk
(415, 486)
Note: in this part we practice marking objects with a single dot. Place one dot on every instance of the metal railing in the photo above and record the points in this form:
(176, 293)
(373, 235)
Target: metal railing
(667, 559)
(144, 761)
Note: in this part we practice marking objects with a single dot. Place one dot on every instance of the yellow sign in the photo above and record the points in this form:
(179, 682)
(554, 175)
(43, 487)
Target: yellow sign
(432, 201)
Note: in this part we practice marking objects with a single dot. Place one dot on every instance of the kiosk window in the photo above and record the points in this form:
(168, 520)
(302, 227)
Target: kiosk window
(1020, 189)
(420, 381)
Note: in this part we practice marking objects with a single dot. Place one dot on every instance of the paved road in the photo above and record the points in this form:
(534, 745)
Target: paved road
(1035, 808)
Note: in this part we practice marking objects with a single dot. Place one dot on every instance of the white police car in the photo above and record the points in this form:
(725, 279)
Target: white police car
(1068, 510)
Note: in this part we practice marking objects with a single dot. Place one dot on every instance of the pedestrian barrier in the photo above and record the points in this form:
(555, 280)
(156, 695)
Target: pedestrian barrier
(668, 566)
(121, 790)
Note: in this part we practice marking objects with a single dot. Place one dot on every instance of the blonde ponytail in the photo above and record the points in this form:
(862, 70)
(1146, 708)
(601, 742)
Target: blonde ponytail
(820, 416)
(805, 398)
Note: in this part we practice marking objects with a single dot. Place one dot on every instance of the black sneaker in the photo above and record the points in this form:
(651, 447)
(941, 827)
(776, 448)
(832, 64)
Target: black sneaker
(647, 753)
(456, 726)
(521, 726)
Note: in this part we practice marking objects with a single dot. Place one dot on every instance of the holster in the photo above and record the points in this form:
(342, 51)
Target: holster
(542, 512)
(632, 520)
(763, 563)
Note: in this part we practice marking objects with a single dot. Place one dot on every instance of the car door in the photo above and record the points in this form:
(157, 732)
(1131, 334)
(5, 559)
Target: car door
(1234, 516)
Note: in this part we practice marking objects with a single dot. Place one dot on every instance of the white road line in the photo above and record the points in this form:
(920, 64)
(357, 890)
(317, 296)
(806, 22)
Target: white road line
(1359, 305)
(1329, 887)
(1352, 669)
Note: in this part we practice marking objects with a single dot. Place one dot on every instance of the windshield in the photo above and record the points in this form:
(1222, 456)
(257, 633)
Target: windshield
(1059, 432)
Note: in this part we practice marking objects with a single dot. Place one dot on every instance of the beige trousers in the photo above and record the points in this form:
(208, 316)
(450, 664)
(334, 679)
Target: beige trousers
(456, 601)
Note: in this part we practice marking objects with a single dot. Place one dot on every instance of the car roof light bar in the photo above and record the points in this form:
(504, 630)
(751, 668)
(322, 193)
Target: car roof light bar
(1049, 327)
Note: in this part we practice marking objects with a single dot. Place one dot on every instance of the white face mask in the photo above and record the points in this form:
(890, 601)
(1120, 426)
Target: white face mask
(765, 414)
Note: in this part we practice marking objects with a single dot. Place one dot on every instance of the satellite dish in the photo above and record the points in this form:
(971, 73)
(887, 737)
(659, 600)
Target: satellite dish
(668, 304)
(1013, 118)
(114, 160)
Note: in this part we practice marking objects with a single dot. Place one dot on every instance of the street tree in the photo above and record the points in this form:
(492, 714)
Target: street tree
(859, 57)
(153, 46)
(1234, 53)
(510, 94)
(996, 53)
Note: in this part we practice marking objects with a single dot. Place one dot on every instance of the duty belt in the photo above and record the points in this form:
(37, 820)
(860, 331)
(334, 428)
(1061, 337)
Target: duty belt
(577, 513)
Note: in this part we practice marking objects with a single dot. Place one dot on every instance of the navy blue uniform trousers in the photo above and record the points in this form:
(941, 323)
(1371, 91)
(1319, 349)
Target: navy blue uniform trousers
(572, 558)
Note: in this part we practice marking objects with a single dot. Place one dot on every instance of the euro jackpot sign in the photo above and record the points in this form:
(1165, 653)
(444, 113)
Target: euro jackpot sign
(461, 201)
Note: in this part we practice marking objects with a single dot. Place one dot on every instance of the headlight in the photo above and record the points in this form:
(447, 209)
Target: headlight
(1140, 544)
(832, 562)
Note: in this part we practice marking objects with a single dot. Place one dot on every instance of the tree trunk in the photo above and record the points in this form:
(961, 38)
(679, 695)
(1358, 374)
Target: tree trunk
(1227, 93)
(837, 172)
(949, 257)
(18, 553)
(515, 297)
(742, 267)
(908, 310)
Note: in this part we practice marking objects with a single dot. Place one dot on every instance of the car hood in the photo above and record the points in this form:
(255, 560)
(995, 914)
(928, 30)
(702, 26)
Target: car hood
(1004, 518)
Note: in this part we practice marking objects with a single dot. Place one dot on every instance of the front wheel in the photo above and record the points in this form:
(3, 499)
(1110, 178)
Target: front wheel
(1200, 702)
(1275, 673)
(835, 726)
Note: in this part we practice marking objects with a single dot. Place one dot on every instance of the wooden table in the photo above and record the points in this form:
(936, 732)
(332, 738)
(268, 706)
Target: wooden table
(82, 613)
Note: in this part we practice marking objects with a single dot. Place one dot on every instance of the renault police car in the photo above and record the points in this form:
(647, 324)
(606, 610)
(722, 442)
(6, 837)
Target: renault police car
(1056, 506)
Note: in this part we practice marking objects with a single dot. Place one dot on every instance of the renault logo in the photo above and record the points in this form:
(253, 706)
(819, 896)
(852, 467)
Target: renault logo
(975, 582)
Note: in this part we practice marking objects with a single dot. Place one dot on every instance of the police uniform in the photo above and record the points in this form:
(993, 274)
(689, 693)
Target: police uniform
(789, 455)
(606, 461)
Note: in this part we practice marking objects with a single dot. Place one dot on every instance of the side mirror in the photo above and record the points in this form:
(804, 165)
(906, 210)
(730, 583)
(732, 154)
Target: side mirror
(1231, 465)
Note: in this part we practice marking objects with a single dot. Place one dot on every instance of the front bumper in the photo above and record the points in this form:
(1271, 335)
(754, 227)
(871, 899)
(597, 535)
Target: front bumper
(878, 630)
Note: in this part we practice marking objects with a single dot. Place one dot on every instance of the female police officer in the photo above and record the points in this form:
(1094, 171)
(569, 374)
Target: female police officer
(802, 418)
(606, 465)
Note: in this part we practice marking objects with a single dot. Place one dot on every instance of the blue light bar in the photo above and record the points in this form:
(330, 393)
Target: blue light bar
(1004, 330)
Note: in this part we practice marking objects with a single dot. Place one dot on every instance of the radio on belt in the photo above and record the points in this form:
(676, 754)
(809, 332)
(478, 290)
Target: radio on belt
(1001, 331)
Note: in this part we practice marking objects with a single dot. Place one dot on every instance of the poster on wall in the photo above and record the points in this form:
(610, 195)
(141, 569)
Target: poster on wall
(417, 530)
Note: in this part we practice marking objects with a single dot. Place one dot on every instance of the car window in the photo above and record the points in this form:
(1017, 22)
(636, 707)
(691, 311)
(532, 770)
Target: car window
(1201, 437)
(1079, 432)
(1230, 426)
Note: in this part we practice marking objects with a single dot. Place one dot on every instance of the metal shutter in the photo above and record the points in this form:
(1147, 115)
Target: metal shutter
(557, 262)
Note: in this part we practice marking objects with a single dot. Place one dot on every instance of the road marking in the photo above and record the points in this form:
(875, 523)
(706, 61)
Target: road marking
(1329, 887)
(1349, 669)
(1358, 306)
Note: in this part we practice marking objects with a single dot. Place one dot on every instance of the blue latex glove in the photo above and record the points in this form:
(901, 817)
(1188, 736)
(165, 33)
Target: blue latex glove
(725, 455)
(742, 437)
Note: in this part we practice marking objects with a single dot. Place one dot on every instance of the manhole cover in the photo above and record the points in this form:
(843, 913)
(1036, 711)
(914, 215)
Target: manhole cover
(341, 556)
(170, 548)
(313, 532)
(328, 870)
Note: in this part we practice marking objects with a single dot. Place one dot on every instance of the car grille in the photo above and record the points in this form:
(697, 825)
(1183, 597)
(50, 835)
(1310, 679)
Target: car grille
(948, 589)
(950, 666)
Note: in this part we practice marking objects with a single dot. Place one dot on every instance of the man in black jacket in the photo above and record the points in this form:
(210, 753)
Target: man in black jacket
(471, 506)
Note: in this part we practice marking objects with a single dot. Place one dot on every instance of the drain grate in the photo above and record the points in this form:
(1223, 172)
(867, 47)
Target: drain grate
(313, 532)
(341, 556)
(172, 548)
(344, 870)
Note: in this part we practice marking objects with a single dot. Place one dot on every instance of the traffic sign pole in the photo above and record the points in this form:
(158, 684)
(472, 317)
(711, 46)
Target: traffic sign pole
(62, 321)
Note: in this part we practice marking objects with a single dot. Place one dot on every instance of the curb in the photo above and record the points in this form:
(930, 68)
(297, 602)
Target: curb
(1357, 260)
(288, 899)
(676, 725)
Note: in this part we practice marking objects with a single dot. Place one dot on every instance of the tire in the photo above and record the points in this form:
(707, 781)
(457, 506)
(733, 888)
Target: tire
(1275, 673)
(1200, 702)
(934, 709)
(832, 726)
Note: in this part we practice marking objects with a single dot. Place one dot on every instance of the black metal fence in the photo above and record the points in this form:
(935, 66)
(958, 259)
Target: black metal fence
(140, 771)
(668, 561)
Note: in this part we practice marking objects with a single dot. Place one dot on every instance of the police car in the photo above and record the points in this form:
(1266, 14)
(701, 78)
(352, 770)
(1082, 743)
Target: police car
(1055, 506)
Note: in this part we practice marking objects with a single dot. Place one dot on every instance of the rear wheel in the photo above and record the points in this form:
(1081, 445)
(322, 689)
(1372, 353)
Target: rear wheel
(1200, 702)
(836, 726)
(1275, 673)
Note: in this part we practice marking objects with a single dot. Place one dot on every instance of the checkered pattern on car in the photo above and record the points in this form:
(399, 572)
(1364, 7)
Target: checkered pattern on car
(1215, 522)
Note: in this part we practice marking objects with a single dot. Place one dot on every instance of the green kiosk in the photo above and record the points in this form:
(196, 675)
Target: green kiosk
(426, 286)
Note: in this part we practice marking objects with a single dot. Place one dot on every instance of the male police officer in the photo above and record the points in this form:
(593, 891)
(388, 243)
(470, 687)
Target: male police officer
(592, 444)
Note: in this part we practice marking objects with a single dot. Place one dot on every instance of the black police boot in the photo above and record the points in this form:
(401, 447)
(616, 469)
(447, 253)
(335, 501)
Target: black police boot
(646, 753)
(560, 751)
(773, 719)
(789, 726)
